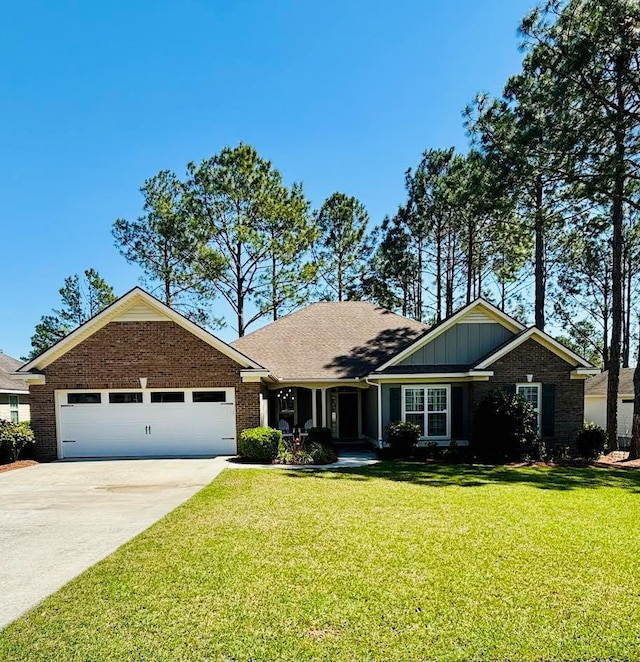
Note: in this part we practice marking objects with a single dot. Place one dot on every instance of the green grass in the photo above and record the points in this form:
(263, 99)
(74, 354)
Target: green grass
(390, 562)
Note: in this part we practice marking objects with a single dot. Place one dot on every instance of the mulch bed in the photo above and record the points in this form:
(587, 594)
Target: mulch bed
(20, 464)
(617, 460)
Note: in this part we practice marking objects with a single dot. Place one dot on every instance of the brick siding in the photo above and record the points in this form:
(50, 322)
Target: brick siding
(534, 359)
(119, 353)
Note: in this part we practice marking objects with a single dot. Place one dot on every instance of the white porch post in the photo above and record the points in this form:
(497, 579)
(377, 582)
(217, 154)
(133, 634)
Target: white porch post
(314, 407)
(324, 407)
(379, 415)
(359, 413)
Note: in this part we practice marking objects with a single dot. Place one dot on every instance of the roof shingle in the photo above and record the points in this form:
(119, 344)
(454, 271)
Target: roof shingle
(8, 365)
(330, 340)
(598, 385)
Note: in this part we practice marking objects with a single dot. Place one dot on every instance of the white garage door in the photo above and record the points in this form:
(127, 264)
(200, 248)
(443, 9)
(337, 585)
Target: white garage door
(139, 423)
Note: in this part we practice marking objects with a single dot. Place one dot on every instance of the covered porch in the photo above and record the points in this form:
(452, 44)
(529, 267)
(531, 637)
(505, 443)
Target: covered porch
(350, 412)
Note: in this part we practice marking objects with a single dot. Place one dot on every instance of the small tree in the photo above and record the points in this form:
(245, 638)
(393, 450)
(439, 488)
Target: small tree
(505, 427)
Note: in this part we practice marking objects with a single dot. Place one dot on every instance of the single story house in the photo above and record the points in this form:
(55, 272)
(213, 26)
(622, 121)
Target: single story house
(14, 393)
(139, 379)
(595, 403)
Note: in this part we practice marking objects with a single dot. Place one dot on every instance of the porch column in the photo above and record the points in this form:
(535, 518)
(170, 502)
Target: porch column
(324, 407)
(314, 407)
(359, 413)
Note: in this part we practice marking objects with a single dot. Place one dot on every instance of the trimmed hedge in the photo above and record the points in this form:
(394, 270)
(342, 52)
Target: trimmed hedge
(260, 444)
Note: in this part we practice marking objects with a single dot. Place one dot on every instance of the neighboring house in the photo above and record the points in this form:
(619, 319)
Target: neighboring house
(14, 393)
(595, 403)
(139, 379)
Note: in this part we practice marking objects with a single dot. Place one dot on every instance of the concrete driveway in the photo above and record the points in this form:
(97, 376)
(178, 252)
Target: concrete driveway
(58, 519)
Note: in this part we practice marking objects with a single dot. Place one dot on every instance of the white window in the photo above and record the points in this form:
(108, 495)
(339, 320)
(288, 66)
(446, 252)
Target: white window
(532, 394)
(428, 408)
(14, 409)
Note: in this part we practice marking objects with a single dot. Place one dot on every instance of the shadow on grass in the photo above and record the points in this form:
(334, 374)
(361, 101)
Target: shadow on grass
(544, 478)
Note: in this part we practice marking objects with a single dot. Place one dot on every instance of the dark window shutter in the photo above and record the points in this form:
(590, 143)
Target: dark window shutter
(548, 410)
(457, 415)
(509, 388)
(395, 408)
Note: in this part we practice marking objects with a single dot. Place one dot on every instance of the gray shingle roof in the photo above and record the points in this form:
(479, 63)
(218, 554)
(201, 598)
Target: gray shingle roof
(330, 340)
(9, 365)
(598, 385)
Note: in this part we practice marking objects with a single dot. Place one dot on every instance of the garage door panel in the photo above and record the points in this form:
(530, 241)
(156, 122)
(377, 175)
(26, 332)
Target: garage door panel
(147, 429)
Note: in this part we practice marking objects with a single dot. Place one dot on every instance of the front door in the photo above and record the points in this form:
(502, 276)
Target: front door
(348, 415)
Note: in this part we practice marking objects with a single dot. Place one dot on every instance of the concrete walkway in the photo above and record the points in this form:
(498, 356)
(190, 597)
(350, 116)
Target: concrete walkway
(347, 459)
(57, 520)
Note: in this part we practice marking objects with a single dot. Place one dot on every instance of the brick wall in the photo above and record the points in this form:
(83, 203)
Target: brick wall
(119, 353)
(534, 359)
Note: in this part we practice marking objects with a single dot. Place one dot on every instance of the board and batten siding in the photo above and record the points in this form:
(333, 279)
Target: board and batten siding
(462, 344)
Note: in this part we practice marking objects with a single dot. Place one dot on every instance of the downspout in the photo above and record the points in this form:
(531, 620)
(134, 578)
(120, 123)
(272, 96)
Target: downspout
(379, 387)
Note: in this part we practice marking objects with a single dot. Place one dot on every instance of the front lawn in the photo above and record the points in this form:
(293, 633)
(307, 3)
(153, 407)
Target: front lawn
(391, 562)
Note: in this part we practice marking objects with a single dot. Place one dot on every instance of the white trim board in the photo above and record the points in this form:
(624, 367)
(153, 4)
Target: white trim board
(545, 340)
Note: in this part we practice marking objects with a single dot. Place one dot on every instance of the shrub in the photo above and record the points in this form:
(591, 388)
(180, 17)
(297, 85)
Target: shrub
(321, 453)
(561, 453)
(591, 441)
(320, 436)
(452, 453)
(434, 452)
(505, 428)
(15, 438)
(309, 452)
(402, 437)
(260, 444)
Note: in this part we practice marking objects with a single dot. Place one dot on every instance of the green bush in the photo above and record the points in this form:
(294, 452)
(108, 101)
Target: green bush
(320, 436)
(591, 441)
(402, 437)
(15, 438)
(560, 453)
(321, 453)
(505, 428)
(260, 444)
(306, 453)
(433, 450)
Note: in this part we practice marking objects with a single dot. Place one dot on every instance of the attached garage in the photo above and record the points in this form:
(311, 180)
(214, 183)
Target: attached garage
(141, 380)
(140, 423)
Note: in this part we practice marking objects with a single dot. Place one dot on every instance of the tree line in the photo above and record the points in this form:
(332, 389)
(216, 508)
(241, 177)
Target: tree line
(541, 214)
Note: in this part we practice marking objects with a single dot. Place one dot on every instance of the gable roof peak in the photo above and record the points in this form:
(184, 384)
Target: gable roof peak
(111, 312)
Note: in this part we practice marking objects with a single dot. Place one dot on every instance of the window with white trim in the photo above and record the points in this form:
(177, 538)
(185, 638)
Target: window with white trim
(14, 408)
(428, 408)
(532, 393)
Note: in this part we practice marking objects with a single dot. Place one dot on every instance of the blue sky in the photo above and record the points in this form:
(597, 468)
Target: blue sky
(98, 96)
